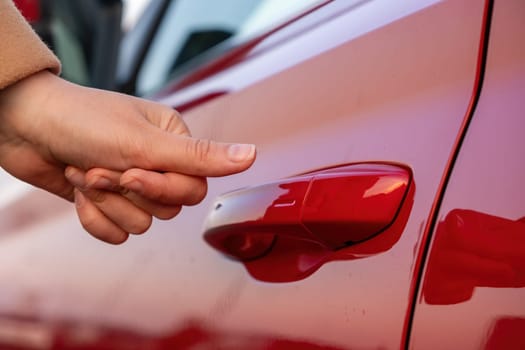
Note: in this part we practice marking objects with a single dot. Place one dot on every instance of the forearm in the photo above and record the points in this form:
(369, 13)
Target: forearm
(22, 53)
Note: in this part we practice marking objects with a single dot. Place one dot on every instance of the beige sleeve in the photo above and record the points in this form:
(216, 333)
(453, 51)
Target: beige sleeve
(22, 53)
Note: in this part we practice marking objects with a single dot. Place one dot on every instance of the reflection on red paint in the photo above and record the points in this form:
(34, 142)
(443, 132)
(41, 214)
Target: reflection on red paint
(473, 249)
(31, 334)
(292, 260)
(507, 333)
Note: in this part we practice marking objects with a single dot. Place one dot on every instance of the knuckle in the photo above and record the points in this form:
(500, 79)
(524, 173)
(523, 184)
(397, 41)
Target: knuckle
(90, 223)
(96, 196)
(116, 239)
(158, 194)
(123, 191)
(137, 150)
(141, 224)
(68, 193)
(200, 150)
(108, 235)
(168, 213)
(94, 224)
(171, 122)
(198, 192)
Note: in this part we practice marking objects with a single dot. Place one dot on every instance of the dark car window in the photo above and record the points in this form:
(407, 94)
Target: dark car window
(84, 35)
(190, 28)
(135, 44)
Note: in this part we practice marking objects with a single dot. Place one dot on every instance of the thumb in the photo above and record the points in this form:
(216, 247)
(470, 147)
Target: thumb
(200, 157)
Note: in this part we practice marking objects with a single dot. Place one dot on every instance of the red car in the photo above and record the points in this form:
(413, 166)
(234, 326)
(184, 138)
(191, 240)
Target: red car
(385, 210)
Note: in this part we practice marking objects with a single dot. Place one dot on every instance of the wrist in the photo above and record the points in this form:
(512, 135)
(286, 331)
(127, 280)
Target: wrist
(26, 106)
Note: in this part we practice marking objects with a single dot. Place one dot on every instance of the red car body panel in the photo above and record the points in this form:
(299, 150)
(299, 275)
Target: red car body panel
(379, 83)
(30, 9)
(473, 293)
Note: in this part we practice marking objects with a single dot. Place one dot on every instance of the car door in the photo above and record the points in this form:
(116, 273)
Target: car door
(472, 294)
(351, 88)
(372, 85)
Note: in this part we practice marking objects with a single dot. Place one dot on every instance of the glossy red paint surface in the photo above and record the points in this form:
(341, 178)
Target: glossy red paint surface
(473, 284)
(291, 260)
(30, 9)
(348, 205)
(28, 334)
(472, 250)
(368, 116)
(506, 333)
(383, 82)
(328, 208)
(430, 223)
(200, 100)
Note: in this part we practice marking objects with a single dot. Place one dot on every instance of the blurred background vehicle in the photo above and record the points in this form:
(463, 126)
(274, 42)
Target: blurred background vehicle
(173, 38)
(136, 47)
(385, 209)
(85, 35)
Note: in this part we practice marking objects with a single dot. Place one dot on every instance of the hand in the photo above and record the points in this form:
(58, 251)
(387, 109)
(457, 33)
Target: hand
(113, 210)
(47, 123)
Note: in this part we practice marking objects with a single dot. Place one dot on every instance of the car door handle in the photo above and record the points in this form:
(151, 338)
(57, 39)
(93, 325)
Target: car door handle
(333, 207)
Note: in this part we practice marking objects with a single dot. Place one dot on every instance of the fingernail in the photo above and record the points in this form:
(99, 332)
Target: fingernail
(241, 152)
(134, 186)
(101, 183)
(75, 177)
(79, 198)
